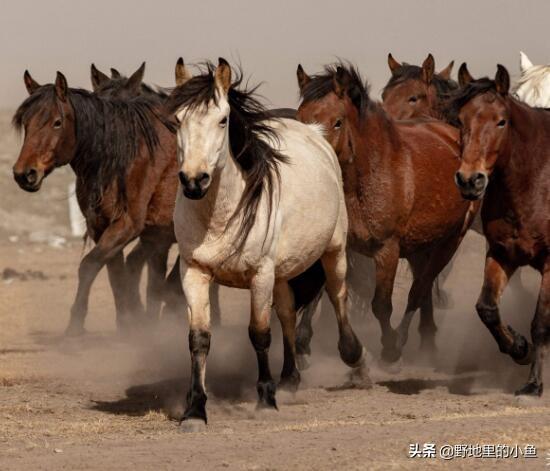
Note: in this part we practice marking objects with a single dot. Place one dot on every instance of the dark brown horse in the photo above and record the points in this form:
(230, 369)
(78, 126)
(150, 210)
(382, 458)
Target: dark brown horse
(123, 154)
(506, 161)
(416, 92)
(399, 193)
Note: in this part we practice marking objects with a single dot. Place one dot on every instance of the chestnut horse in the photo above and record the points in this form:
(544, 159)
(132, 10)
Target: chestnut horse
(399, 192)
(416, 92)
(506, 161)
(123, 155)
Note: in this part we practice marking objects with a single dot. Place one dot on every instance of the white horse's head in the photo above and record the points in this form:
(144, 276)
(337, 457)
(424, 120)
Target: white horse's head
(533, 87)
(202, 114)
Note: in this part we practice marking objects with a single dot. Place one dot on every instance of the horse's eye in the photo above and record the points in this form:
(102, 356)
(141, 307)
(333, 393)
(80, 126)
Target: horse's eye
(413, 99)
(57, 124)
(501, 123)
(338, 124)
(223, 122)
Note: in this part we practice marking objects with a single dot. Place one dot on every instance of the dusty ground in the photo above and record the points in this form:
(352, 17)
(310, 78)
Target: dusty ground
(102, 402)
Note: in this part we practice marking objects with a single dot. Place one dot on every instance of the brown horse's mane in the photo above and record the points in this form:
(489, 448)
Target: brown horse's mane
(109, 134)
(322, 84)
(456, 100)
(249, 137)
(413, 72)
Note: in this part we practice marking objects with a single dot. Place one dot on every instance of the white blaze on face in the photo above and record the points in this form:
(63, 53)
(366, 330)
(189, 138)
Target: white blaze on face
(202, 138)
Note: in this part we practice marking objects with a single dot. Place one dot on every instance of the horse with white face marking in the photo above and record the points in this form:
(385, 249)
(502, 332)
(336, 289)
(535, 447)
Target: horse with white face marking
(533, 87)
(261, 200)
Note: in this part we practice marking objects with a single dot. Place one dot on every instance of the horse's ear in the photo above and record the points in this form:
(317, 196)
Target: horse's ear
(303, 78)
(115, 74)
(97, 77)
(31, 84)
(524, 63)
(464, 76)
(393, 64)
(428, 69)
(222, 76)
(502, 80)
(61, 87)
(182, 72)
(446, 72)
(341, 81)
(134, 82)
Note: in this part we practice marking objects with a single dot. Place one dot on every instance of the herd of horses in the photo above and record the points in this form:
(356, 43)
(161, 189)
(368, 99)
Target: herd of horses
(271, 200)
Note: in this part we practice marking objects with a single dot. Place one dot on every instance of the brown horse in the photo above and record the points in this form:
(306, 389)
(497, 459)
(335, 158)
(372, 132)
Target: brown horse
(123, 155)
(399, 193)
(506, 161)
(416, 92)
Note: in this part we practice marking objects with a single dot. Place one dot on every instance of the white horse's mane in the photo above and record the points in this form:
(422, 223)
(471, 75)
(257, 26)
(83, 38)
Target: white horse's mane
(533, 86)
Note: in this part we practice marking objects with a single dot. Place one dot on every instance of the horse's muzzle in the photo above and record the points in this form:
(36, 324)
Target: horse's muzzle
(29, 180)
(473, 187)
(195, 188)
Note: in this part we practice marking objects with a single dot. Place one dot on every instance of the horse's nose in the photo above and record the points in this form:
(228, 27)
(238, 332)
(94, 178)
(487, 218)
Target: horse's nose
(27, 177)
(479, 181)
(196, 187)
(460, 180)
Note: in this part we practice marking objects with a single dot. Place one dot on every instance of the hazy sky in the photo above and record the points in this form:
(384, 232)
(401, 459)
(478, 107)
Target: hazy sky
(269, 38)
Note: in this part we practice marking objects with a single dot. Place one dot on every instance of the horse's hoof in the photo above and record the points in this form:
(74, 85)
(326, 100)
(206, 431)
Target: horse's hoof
(266, 395)
(291, 382)
(391, 355)
(193, 426)
(74, 330)
(390, 368)
(521, 351)
(358, 378)
(302, 361)
(530, 389)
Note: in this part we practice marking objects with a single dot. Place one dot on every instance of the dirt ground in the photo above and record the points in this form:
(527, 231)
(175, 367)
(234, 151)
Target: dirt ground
(103, 402)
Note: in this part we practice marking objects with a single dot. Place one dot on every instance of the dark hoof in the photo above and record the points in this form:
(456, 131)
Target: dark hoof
(74, 330)
(350, 348)
(193, 426)
(521, 351)
(291, 382)
(530, 389)
(391, 355)
(266, 395)
(302, 361)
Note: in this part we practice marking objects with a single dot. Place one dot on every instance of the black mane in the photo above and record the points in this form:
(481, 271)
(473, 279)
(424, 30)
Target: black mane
(406, 72)
(109, 133)
(117, 87)
(322, 84)
(249, 137)
(456, 100)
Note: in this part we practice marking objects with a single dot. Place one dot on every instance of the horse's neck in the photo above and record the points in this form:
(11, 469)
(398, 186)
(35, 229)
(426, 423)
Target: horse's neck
(524, 153)
(215, 210)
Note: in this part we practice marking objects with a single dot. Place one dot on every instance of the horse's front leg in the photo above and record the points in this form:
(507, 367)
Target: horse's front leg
(259, 331)
(540, 334)
(497, 274)
(111, 243)
(196, 283)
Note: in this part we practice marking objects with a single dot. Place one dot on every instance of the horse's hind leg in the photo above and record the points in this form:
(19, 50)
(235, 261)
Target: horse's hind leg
(111, 242)
(304, 333)
(117, 278)
(497, 274)
(386, 260)
(259, 331)
(215, 304)
(540, 334)
(135, 261)
(351, 350)
(156, 279)
(284, 306)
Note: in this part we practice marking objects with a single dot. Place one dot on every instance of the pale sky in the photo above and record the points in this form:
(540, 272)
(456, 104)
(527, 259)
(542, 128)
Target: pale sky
(269, 38)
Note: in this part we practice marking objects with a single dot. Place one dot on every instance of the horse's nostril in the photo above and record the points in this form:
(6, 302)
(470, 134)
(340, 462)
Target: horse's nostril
(203, 178)
(183, 179)
(460, 180)
(31, 175)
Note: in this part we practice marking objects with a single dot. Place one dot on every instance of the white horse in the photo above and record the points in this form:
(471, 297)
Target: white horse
(533, 87)
(260, 201)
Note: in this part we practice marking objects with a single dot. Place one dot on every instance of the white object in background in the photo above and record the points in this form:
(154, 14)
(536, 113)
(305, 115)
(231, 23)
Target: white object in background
(78, 223)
